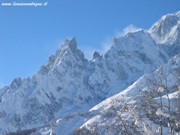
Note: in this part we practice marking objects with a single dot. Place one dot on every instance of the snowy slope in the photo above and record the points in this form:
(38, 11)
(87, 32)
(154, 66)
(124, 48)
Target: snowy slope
(127, 106)
(69, 84)
(166, 32)
(166, 29)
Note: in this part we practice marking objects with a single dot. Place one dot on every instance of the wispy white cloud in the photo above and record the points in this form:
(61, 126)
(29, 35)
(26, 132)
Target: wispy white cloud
(129, 28)
(1, 84)
(105, 45)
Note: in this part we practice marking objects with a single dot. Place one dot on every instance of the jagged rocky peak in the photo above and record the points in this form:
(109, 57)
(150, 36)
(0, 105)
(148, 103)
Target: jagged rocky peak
(67, 51)
(16, 83)
(133, 41)
(166, 28)
(166, 33)
(72, 44)
(69, 45)
(140, 34)
(164, 25)
(51, 59)
(96, 55)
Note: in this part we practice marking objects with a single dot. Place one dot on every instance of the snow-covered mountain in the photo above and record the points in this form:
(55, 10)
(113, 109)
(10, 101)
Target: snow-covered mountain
(166, 32)
(135, 110)
(68, 86)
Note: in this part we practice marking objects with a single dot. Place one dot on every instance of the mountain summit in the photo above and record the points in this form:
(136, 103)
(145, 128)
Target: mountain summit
(67, 92)
(166, 30)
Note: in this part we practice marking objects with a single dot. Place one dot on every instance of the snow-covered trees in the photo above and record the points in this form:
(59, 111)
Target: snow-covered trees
(162, 97)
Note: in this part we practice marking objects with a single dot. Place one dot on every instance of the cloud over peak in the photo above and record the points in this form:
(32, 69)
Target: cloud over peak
(126, 30)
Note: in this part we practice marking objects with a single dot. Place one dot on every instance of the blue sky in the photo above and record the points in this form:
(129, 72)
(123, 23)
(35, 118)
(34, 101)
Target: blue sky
(29, 35)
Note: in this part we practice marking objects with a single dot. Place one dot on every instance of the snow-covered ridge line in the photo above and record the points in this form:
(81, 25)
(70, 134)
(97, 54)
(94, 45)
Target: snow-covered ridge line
(70, 84)
(137, 104)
